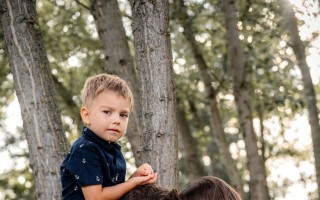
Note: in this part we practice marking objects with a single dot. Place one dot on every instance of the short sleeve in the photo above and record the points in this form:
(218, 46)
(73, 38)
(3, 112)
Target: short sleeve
(85, 165)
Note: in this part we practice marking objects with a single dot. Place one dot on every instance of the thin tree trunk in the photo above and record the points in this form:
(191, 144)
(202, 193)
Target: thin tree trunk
(260, 111)
(119, 61)
(299, 50)
(33, 84)
(71, 106)
(213, 149)
(194, 166)
(154, 63)
(258, 182)
(215, 120)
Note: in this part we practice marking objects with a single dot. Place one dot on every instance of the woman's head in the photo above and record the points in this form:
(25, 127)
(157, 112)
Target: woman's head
(151, 192)
(209, 188)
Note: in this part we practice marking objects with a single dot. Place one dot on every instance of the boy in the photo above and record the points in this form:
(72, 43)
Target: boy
(95, 167)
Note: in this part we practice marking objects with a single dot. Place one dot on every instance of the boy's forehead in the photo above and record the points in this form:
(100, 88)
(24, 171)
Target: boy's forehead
(110, 93)
(112, 99)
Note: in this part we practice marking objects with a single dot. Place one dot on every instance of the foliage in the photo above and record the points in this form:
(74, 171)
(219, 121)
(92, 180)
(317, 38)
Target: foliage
(6, 82)
(17, 183)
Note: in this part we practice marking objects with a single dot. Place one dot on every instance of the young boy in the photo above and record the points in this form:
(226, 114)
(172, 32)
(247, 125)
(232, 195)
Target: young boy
(95, 167)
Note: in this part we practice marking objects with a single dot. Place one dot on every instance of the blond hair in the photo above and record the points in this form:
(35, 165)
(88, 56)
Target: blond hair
(105, 82)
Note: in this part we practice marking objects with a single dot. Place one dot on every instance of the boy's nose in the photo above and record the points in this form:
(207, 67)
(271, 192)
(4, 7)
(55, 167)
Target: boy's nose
(116, 119)
(116, 122)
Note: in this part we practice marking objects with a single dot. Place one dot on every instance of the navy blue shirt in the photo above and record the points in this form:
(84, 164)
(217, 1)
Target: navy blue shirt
(91, 161)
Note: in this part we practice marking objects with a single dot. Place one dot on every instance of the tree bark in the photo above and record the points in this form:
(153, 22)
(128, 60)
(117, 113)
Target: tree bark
(119, 61)
(309, 92)
(154, 63)
(256, 167)
(34, 87)
(215, 120)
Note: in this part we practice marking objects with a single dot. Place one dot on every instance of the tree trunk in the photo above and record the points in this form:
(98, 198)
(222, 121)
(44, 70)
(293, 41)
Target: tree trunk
(215, 120)
(71, 107)
(194, 166)
(154, 63)
(309, 92)
(34, 87)
(119, 61)
(260, 113)
(258, 183)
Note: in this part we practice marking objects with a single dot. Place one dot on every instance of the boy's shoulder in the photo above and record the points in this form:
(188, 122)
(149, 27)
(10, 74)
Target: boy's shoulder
(82, 143)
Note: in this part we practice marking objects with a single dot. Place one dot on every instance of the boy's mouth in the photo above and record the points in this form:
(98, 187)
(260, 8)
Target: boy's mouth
(114, 130)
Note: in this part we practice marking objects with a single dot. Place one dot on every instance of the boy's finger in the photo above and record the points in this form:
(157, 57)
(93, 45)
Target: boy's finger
(145, 172)
(147, 180)
(153, 179)
(155, 176)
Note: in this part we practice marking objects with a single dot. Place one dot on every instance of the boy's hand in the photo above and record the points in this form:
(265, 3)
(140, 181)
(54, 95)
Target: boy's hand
(144, 170)
(153, 179)
(144, 180)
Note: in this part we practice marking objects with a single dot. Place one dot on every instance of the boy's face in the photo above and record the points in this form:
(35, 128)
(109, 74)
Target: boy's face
(107, 115)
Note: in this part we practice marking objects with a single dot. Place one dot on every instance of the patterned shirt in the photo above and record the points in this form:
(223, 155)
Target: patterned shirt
(91, 161)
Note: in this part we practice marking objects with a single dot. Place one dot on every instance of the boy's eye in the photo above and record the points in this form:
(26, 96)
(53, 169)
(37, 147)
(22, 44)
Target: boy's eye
(124, 115)
(107, 112)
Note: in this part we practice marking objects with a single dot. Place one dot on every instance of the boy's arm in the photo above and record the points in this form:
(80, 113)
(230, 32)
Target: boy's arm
(96, 192)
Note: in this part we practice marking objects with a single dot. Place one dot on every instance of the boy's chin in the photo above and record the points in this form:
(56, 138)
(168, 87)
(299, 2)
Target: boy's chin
(110, 140)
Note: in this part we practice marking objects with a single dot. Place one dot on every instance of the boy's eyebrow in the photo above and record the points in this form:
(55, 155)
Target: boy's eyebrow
(126, 111)
(109, 107)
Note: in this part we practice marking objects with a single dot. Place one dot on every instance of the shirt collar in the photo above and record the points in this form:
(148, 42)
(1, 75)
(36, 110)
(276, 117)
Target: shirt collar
(91, 136)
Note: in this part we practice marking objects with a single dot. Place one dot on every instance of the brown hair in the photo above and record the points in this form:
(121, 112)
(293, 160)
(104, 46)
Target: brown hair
(105, 82)
(209, 188)
(151, 192)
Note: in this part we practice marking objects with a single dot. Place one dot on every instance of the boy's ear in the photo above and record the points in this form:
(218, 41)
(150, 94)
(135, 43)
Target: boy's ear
(84, 112)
